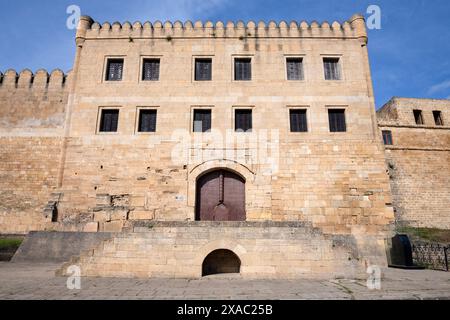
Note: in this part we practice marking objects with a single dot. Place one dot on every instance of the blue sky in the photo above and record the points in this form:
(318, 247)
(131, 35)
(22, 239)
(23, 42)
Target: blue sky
(410, 55)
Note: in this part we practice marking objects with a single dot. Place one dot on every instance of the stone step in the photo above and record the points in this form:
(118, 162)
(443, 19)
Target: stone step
(56, 246)
(212, 224)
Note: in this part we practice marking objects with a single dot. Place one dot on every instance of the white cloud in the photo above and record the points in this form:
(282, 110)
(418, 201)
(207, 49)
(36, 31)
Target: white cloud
(439, 87)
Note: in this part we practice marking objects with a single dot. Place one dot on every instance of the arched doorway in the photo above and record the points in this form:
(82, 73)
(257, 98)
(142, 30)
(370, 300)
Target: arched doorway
(221, 261)
(220, 197)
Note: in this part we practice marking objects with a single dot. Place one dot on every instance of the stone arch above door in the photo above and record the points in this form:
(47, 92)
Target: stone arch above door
(196, 171)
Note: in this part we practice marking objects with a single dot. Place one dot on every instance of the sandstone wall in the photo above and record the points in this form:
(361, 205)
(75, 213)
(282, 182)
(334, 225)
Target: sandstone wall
(32, 114)
(418, 161)
(335, 180)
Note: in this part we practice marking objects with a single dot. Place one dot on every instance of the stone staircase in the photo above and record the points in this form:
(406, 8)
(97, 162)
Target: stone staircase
(178, 249)
(56, 247)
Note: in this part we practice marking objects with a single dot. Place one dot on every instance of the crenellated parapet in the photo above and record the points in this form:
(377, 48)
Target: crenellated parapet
(353, 28)
(40, 80)
(33, 100)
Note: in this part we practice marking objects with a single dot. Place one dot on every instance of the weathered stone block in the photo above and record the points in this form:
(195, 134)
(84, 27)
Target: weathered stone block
(103, 200)
(119, 214)
(102, 216)
(142, 215)
(91, 227)
(112, 226)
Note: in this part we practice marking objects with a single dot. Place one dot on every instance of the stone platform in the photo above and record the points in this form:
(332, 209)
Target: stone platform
(268, 250)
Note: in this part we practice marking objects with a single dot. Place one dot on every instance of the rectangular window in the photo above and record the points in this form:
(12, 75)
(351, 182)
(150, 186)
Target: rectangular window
(109, 120)
(147, 120)
(243, 120)
(336, 118)
(203, 69)
(150, 70)
(387, 137)
(418, 117)
(294, 68)
(438, 118)
(202, 120)
(332, 68)
(242, 69)
(114, 70)
(298, 120)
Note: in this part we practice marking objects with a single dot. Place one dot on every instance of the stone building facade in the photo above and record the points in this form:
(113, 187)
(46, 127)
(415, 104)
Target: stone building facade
(417, 142)
(260, 140)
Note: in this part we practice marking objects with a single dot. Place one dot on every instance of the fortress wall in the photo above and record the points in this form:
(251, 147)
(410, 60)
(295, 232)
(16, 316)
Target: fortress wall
(420, 187)
(32, 114)
(418, 161)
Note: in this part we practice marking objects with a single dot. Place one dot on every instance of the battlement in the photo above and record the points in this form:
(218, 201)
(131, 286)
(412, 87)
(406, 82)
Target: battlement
(353, 28)
(26, 79)
(33, 100)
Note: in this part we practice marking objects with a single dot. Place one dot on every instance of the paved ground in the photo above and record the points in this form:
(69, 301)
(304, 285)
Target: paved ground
(27, 281)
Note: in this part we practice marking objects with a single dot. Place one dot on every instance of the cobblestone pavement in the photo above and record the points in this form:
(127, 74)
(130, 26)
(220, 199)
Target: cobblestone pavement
(28, 281)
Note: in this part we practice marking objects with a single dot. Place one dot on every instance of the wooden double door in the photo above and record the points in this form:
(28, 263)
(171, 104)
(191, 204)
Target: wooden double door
(220, 197)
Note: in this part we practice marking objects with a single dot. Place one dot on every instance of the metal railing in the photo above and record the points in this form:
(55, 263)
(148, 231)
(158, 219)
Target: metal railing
(431, 255)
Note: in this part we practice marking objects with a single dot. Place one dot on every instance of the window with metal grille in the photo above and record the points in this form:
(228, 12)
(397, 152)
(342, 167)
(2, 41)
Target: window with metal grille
(150, 70)
(147, 120)
(243, 120)
(387, 137)
(203, 69)
(294, 68)
(109, 120)
(242, 69)
(418, 117)
(114, 70)
(332, 68)
(202, 120)
(298, 120)
(438, 118)
(336, 118)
